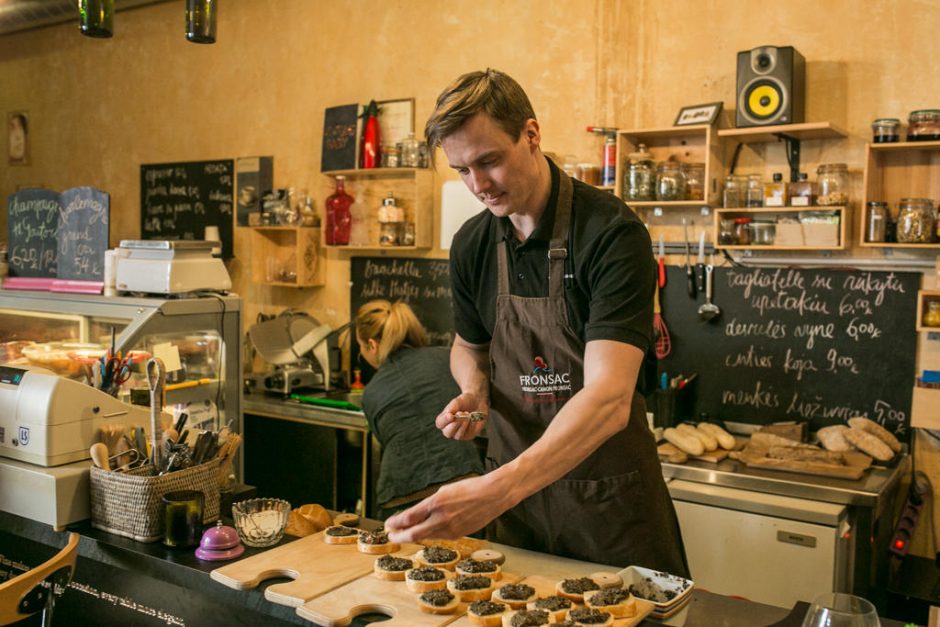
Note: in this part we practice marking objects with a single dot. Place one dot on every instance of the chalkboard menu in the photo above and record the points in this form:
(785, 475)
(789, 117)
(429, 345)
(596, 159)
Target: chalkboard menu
(179, 200)
(33, 221)
(83, 234)
(422, 283)
(796, 344)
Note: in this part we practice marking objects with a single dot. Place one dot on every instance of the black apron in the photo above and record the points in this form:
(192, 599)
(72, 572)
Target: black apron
(614, 507)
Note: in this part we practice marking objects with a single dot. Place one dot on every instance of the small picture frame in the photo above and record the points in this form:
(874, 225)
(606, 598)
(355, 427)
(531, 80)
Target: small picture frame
(18, 138)
(698, 114)
(396, 120)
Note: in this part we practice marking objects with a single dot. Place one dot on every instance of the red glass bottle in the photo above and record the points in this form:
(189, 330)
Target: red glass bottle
(338, 217)
(369, 151)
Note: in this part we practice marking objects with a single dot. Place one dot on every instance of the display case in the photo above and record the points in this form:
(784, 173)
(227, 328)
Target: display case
(47, 329)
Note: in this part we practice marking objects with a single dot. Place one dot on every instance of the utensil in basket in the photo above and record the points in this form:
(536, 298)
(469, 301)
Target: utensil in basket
(156, 381)
(663, 341)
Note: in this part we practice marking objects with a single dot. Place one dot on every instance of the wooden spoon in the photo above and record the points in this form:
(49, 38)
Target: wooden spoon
(99, 455)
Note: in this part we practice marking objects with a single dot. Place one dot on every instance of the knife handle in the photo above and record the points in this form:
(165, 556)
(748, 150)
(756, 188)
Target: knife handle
(700, 267)
(690, 275)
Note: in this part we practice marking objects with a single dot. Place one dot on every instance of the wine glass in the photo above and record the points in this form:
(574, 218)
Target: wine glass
(835, 609)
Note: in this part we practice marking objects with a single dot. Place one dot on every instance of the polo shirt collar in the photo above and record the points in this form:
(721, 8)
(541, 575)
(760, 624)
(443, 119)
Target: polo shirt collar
(543, 230)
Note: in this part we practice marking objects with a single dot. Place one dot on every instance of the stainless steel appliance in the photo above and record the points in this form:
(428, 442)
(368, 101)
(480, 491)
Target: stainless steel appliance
(296, 345)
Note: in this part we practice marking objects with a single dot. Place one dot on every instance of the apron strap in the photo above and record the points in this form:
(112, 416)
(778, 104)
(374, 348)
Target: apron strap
(502, 269)
(558, 248)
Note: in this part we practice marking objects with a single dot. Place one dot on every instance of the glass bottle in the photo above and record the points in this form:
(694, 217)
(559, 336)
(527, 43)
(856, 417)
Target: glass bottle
(201, 20)
(877, 221)
(390, 218)
(802, 192)
(932, 315)
(754, 193)
(734, 192)
(409, 152)
(695, 181)
(775, 193)
(359, 229)
(338, 217)
(915, 221)
(639, 178)
(96, 18)
(832, 179)
(670, 181)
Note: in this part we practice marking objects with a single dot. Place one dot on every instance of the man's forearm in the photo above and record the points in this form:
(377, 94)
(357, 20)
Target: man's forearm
(470, 367)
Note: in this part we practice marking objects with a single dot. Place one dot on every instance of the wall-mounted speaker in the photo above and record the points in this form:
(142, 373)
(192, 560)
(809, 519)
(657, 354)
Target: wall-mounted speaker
(771, 84)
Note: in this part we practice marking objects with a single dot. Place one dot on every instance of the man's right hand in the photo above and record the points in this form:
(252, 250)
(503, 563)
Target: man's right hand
(461, 427)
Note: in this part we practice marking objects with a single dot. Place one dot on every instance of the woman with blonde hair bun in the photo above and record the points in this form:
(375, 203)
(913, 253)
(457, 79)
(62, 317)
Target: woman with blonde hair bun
(411, 384)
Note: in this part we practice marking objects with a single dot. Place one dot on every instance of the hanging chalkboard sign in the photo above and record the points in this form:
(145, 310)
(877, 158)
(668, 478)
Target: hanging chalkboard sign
(339, 138)
(33, 221)
(796, 344)
(422, 283)
(83, 233)
(179, 200)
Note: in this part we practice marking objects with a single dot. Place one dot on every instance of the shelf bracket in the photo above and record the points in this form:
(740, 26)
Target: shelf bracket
(793, 154)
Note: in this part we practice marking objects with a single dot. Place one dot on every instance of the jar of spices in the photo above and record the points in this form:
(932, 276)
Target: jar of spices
(915, 221)
(923, 125)
(932, 315)
(886, 130)
(409, 152)
(391, 157)
(639, 177)
(775, 193)
(877, 221)
(390, 216)
(742, 231)
(670, 181)
(734, 193)
(754, 193)
(726, 234)
(695, 181)
(802, 192)
(832, 179)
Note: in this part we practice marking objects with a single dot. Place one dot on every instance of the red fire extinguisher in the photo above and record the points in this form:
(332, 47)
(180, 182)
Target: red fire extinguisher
(369, 151)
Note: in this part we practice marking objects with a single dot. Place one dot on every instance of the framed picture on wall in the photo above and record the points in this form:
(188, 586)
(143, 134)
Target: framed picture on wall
(698, 114)
(396, 120)
(18, 138)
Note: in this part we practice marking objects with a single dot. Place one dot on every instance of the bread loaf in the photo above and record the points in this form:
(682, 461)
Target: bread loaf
(725, 439)
(833, 438)
(308, 519)
(299, 526)
(770, 439)
(616, 601)
(438, 602)
(876, 430)
(486, 613)
(709, 441)
(869, 444)
(686, 443)
(801, 454)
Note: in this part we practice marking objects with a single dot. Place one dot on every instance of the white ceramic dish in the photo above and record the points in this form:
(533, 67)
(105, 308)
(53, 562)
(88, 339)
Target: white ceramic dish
(679, 586)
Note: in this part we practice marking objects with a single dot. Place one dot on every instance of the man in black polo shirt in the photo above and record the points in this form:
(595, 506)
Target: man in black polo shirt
(552, 287)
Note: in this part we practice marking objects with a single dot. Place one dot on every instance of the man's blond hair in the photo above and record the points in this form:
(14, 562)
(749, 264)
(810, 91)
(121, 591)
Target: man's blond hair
(491, 92)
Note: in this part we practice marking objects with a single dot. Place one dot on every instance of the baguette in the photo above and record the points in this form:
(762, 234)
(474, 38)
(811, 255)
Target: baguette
(725, 439)
(684, 442)
(709, 441)
(438, 602)
(515, 595)
(337, 534)
(590, 616)
(876, 430)
(607, 579)
(391, 568)
(486, 568)
(526, 617)
(375, 542)
(806, 455)
(617, 601)
(869, 444)
(574, 589)
(770, 439)
(486, 613)
(424, 579)
(438, 556)
(556, 606)
(488, 555)
(469, 588)
(833, 438)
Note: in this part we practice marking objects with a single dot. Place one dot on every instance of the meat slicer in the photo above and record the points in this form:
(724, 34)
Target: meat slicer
(296, 345)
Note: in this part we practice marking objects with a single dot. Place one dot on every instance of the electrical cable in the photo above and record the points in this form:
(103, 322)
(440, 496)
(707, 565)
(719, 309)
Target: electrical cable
(734, 157)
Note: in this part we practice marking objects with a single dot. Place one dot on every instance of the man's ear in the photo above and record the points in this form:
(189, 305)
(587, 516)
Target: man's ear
(531, 133)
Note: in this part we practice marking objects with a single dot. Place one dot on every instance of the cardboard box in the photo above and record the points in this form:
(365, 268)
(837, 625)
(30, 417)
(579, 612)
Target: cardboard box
(789, 234)
(821, 234)
(255, 178)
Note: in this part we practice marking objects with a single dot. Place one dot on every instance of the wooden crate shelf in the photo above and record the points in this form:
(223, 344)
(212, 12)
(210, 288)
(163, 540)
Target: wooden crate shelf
(738, 212)
(287, 256)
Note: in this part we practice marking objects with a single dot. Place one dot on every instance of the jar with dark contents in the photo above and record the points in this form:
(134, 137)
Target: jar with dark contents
(695, 181)
(742, 231)
(916, 221)
(639, 178)
(886, 130)
(923, 125)
(670, 181)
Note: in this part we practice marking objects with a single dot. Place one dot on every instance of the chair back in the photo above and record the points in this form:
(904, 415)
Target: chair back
(25, 594)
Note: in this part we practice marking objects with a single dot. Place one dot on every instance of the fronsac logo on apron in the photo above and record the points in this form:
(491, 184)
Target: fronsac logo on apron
(545, 385)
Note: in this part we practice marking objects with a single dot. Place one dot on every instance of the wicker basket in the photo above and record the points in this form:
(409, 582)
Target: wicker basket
(129, 503)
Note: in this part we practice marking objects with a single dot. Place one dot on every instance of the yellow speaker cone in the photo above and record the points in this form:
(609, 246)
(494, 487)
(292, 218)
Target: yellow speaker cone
(764, 100)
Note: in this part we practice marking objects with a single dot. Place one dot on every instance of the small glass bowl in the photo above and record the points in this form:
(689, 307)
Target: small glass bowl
(261, 522)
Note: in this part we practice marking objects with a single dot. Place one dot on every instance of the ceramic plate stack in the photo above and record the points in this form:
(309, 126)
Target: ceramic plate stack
(670, 611)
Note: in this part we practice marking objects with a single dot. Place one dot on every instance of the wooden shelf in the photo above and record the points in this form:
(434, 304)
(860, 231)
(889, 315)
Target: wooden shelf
(687, 144)
(807, 130)
(923, 297)
(925, 408)
(278, 252)
(413, 189)
(896, 171)
(797, 232)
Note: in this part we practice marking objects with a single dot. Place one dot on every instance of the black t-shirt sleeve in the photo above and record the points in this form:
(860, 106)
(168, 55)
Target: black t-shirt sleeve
(465, 284)
(621, 276)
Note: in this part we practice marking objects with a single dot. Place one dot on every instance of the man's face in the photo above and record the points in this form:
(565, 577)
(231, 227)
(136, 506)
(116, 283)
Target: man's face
(502, 171)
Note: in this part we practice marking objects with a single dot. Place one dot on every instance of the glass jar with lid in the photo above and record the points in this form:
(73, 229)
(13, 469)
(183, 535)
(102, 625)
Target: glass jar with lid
(734, 193)
(670, 181)
(754, 191)
(802, 192)
(695, 181)
(915, 221)
(410, 157)
(832, 181)
(742, 231)
(878, 217)
(932, 315)
(639, 177)
(923, 125)
(886, 130)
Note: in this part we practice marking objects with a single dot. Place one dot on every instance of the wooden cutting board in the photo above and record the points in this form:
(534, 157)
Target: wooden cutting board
(315, 567)
(667, 449)
(855, 466)
(369, 594)
(545, 586)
